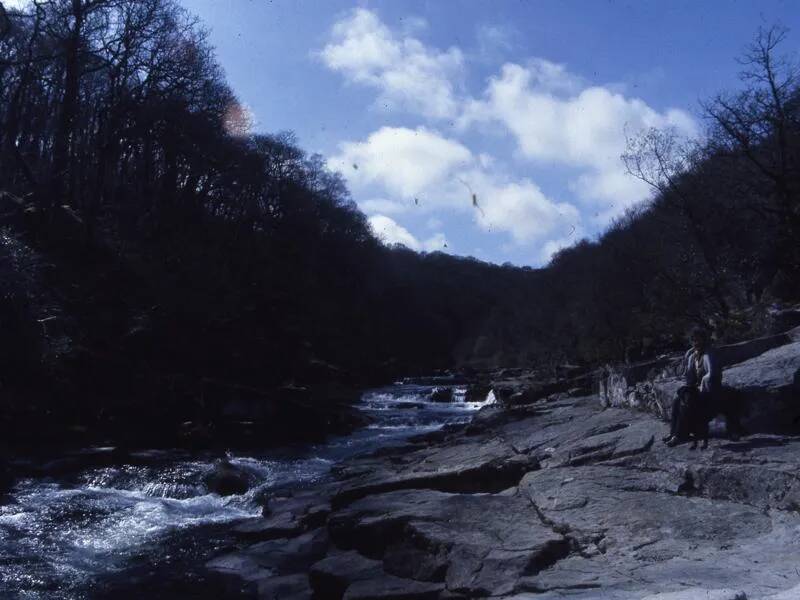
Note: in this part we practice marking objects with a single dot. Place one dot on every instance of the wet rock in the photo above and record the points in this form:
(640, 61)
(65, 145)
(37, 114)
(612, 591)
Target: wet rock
(331, 576)
(269, 528)
(477, 392)
(227, 479)
(239, 565)
(410, 405)
(273, 558)
(442, 394)
(524, 390)
(295, 587)
(309, 507)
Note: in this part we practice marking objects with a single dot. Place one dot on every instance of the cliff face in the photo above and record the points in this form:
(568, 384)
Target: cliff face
(543, 499)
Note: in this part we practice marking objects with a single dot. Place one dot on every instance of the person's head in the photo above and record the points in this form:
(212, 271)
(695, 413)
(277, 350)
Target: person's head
(699, 338)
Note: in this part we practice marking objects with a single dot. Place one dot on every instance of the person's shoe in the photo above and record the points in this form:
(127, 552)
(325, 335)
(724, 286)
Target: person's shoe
(704, 445)
(666, 438)
(672, 442)
(693, 446)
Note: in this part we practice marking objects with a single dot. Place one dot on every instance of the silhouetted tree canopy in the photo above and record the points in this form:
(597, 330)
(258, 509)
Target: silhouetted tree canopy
(149, 240)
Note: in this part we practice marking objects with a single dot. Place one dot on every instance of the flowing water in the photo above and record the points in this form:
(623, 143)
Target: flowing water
(98, 531)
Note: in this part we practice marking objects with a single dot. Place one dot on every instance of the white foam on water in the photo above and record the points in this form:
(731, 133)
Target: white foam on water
(62, 534)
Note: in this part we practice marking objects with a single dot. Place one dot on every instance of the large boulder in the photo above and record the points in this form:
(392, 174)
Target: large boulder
(227, 479)
(783, 318)
(442, 394)
(769, 385)
(615, 383)
(761, 376)
(732, 354)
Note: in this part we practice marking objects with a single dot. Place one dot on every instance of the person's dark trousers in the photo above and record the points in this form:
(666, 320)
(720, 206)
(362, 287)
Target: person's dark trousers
(678, 405)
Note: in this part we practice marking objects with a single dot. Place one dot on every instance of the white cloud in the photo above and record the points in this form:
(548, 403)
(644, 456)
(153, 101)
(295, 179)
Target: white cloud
(437, 242)
(390, 232)
(382, 205)
(408, 74)
(438, 174)
(554, 119)
(520, 208)
(433, 223)
(406, 162)
(494, 41)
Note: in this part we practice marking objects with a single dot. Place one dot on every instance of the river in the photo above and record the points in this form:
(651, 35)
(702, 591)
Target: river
(108, 530)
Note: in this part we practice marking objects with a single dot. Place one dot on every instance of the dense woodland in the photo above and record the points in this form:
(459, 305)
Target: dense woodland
(150, 244)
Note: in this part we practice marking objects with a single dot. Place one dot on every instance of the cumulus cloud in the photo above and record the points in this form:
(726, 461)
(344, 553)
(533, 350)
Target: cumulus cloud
(382, 205)
(390, 232)
(406, 162)
(520, 208)
(440, 173)
(407, 73)
(555, 118)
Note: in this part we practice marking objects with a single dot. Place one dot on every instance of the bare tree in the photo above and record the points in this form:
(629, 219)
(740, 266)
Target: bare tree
(668, 163)
(762, 124)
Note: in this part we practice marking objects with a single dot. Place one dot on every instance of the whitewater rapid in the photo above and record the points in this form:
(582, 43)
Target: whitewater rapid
(69, 537)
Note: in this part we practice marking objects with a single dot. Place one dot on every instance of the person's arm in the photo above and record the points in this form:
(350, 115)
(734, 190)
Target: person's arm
(713, 375)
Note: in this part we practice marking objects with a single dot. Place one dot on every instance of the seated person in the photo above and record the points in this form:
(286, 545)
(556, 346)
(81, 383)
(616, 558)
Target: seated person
(701, 393)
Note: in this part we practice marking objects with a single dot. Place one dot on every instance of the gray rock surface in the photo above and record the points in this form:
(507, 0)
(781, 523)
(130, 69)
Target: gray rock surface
(331, 576)
(557, 498)
(699, 594)
(763, 377)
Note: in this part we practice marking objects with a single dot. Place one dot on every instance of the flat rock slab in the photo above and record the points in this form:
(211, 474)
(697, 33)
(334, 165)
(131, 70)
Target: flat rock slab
(274, 557)
(478, 544)
(699, 594)
(791, 594)
(473, 465)
(393, 588)
(331, 576)
(557, 499)
(287, 587)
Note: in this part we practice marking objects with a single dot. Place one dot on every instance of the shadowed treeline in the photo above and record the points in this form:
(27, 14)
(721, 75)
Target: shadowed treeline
(150, 244)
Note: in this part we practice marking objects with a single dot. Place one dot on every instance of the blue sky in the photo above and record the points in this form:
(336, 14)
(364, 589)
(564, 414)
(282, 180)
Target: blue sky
(525, 105)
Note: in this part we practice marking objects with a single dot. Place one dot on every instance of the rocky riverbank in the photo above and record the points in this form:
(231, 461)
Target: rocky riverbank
(549, 493)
